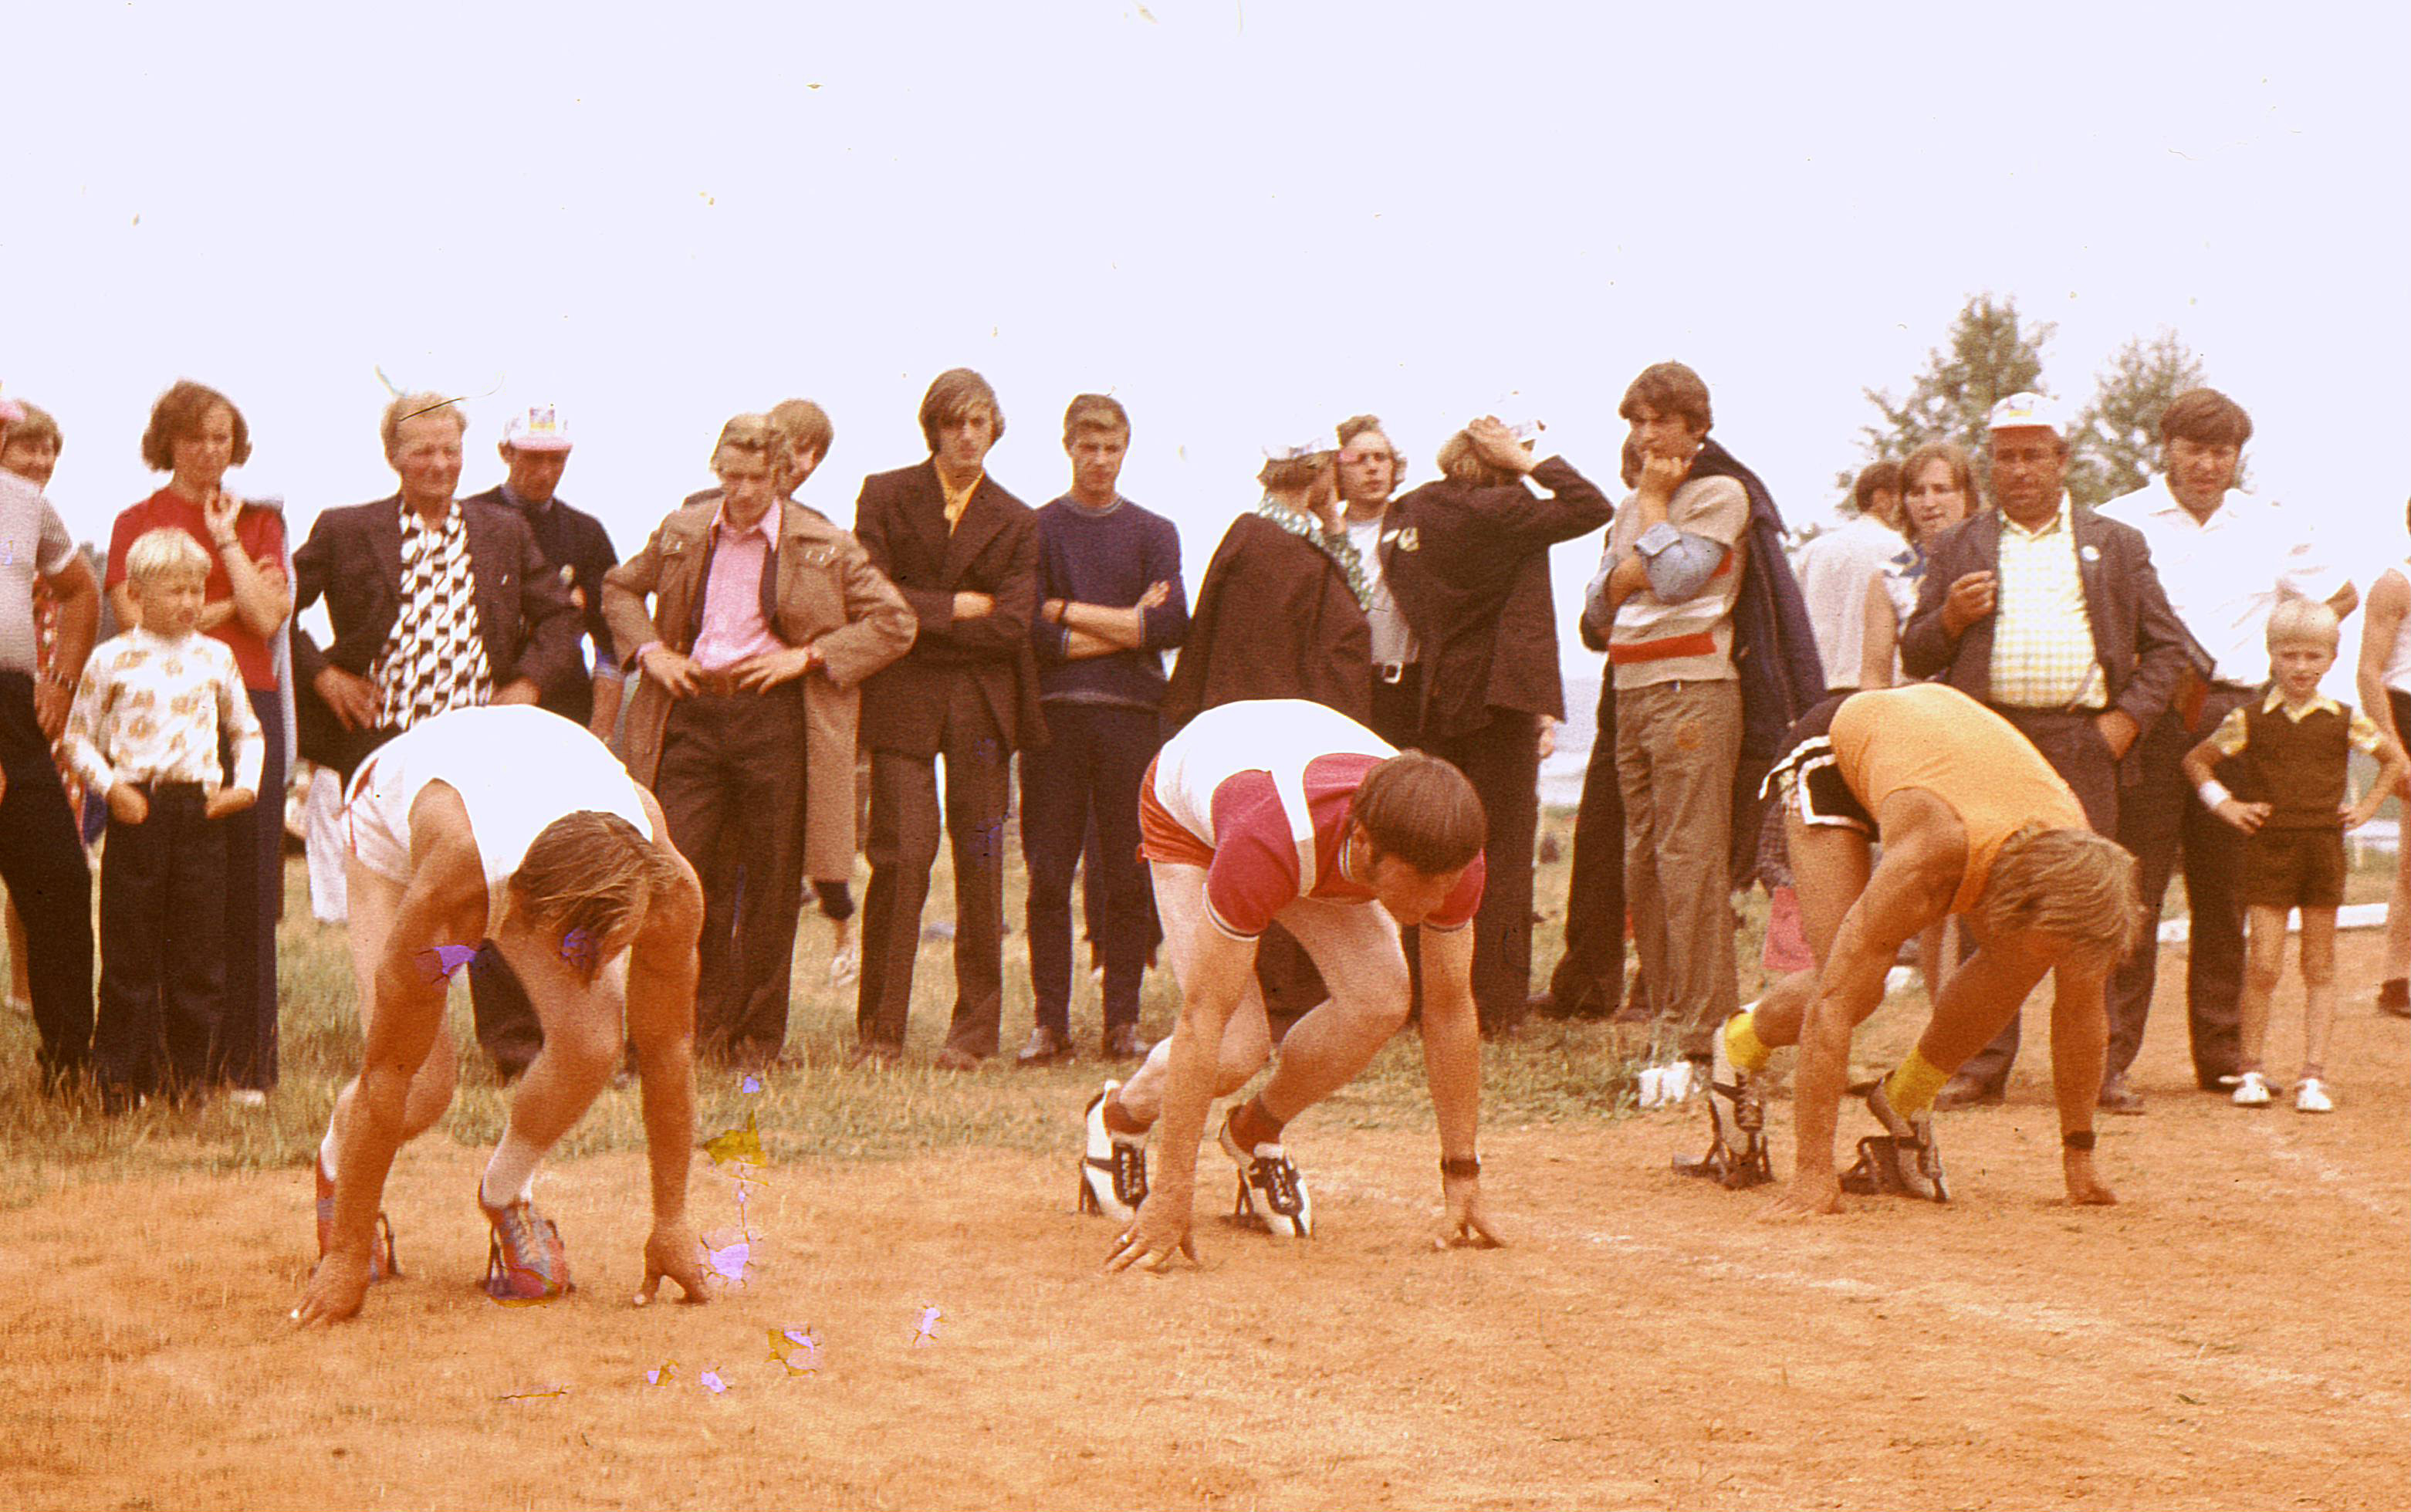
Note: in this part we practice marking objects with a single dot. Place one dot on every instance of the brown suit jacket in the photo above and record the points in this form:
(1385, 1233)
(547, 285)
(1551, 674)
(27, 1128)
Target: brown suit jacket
(525, 619)
(1274, 619)
(901, 520)
(828, 597)
(2138, 639)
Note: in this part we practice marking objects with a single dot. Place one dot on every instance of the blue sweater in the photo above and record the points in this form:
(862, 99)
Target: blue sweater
(1107, 557)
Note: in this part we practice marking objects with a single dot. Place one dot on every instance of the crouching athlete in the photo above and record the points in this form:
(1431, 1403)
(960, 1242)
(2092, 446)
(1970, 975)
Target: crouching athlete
(515, 825)
(1973, 823)
(1282, 809)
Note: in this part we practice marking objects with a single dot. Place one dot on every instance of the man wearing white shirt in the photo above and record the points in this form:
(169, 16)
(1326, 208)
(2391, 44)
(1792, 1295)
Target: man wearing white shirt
(2225, 558)
(1836, 567)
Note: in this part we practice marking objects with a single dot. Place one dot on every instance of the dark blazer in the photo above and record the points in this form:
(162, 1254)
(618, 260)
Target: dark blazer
(353, 557)
(2138, 640)
(1274, 619)
(1470, 568)
(901, 519)
(580, 550)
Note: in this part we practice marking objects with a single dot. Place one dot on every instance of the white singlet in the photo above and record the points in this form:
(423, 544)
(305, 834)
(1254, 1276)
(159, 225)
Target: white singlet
(516, 768)
(2398, 664)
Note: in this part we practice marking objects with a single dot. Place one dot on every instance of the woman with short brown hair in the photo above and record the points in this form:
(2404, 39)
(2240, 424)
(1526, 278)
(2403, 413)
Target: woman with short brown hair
(195, 436)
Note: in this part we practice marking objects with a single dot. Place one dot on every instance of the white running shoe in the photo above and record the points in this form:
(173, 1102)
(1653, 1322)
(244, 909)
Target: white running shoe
(1270, 1191)
(2312, 1097)
(2251, 1090)
(1113, 1168)
(1737, 1152)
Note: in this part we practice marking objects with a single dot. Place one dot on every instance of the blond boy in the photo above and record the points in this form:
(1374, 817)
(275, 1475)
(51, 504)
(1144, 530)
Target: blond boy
(2288, 752)
(145, 730)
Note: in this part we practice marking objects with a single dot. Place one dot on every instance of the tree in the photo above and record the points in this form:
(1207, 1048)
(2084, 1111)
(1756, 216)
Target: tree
(1990, 355)
(2117, 437)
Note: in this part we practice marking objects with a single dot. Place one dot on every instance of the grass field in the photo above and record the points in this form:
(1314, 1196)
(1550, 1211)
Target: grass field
(2233, 1334)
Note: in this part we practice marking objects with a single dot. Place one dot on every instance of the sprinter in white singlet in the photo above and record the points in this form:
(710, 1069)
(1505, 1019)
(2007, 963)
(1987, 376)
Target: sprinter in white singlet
(510, 823)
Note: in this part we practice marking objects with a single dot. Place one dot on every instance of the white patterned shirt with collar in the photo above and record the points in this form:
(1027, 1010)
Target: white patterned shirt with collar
(2042, 634)
(2225, 574)
(435, 658)
(149, 708)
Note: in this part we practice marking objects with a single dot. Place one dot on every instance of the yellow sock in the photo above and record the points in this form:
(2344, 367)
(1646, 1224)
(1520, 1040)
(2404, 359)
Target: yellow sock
(1743, 1047)
(1912, 1084)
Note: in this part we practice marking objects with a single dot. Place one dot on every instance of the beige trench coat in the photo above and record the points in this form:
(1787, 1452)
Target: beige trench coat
(828, 597)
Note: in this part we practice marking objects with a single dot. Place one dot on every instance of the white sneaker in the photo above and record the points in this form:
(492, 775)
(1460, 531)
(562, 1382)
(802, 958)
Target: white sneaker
(1113, 1166)
(2312, 1097)
(1269, 1188)
(2252, 1090)
(1664, 1086)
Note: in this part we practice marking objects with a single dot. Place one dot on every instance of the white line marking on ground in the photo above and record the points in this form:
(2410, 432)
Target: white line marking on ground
(2047, 1317)
(2339, 1181)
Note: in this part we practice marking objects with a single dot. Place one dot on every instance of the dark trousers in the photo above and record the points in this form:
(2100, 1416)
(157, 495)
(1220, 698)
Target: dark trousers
(1088, 774)
(2073, 746)
(1503, 761)
(1398, 707)
(904, 846)
(2160, 819)
(254, 900)
(731, 785)
(1590, 977)
(42, 861)
(162, 944)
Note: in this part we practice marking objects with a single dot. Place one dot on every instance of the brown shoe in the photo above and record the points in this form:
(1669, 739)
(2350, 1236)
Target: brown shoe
(1045, 1047)
(2394, 996)
(875, 1054)
(1122, 1043)
(951, 1059)
(1965, 1091)
(2118, 1097)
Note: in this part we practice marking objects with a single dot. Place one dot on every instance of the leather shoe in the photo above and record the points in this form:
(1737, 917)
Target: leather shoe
(2118, 1097)
(951, 1059)
(2394, 997)
(1965, 1091)
(873, 1053)
(1123, 1043)
(1046, 1047)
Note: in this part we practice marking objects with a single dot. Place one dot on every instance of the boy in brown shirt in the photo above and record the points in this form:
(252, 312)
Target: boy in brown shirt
(2290, 752)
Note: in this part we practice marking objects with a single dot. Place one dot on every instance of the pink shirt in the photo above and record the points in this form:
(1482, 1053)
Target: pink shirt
(733, 627)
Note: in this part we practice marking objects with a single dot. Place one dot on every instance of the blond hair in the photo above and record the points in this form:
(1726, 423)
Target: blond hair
(410, 406)
(2071, 883)
(1462, 461)
(2296, 621)
(804, 425)
(585, 877)
(165, 553)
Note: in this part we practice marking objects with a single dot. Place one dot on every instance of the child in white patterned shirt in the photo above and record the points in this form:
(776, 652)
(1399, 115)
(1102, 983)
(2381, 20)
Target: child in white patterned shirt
(144, 732)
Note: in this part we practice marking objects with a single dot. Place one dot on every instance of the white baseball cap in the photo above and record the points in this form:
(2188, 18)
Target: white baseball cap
(537, 428)
(2024, 412)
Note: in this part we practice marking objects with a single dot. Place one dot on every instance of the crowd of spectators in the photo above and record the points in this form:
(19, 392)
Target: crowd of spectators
(769, 674)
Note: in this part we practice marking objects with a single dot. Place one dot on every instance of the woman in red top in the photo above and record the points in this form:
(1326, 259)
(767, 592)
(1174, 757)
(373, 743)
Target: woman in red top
(195, 434)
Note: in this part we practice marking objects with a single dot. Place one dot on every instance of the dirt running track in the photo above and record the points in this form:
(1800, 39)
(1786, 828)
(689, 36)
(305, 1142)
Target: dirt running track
(2233, 1335)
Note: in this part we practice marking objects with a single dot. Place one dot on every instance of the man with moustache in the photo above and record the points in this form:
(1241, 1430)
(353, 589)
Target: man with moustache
(2050, 616)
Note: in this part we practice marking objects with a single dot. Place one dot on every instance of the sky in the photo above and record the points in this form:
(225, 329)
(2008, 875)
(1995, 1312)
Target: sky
(1247, 221)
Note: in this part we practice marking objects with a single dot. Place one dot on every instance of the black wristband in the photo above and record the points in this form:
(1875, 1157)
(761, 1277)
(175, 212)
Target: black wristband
(2081, 1140)
(1470, 1166)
